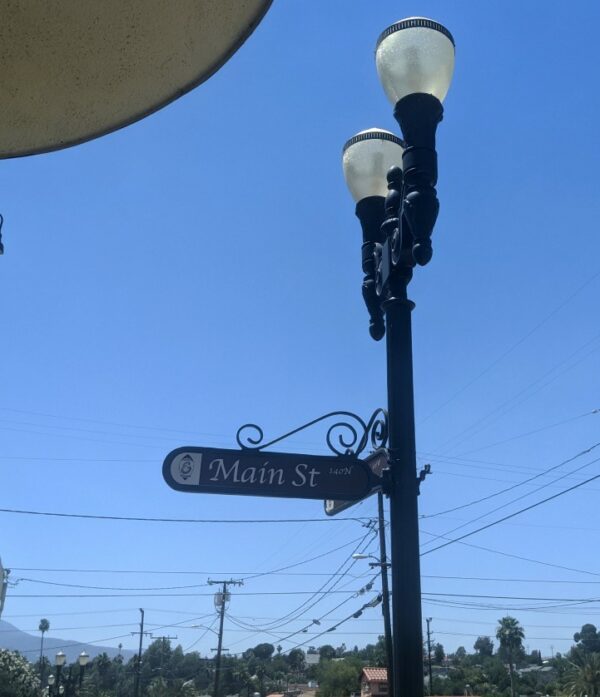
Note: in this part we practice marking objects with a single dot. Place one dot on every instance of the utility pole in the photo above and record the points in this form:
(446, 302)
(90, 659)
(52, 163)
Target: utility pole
(138, 668)
(164, 640)
(428, 620)
(385, 605)
(3, 585)
(221, 600)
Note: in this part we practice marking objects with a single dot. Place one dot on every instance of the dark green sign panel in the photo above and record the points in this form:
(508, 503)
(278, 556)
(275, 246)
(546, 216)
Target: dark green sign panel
(258, 473)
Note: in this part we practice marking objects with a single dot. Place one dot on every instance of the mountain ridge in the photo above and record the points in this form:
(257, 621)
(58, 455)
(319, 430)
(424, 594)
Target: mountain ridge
(15, 639)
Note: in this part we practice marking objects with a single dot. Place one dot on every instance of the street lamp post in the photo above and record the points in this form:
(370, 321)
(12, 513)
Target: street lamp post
(58, 684)
(415, 61)
(59, 662)
(83, 660)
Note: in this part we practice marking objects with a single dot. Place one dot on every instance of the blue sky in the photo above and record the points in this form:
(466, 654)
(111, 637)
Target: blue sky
(200, 269)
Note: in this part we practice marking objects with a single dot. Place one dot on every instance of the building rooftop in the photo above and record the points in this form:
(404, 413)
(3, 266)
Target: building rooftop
(379, 674)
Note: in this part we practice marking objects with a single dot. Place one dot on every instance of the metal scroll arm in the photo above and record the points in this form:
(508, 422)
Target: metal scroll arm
(344, 437)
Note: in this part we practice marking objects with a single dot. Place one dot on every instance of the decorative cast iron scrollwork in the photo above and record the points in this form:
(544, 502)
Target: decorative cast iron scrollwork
(347, 437)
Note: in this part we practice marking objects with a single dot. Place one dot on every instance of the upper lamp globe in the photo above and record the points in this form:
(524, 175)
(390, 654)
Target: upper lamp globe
(60, 659)
(415, 55)
(83, 659)
(366, 159)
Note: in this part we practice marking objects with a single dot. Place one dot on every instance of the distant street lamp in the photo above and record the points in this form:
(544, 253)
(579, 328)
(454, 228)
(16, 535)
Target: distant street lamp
(61, 685)
(397, 208)
(83, 660)
(377, 562)
(59, 662)
(384, 565)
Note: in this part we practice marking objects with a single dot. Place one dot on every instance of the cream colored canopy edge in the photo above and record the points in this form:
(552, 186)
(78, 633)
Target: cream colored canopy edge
(73, 70)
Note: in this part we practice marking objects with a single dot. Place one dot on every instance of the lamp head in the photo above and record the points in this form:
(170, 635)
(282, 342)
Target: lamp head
(83, 659)
(415, 55)
(366, 159)
(60, 659)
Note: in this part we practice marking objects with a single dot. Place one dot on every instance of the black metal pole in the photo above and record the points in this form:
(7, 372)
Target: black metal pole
(406, 577)
(57, 684)
(69, 681)
(385, 606)
(429, 655)
(220, 644)
(138, 668)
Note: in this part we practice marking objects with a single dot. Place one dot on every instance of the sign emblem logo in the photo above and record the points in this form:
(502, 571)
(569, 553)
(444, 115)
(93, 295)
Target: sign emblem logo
(186, 469)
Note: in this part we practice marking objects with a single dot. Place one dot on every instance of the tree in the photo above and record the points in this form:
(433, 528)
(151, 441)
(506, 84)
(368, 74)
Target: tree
(339, 678)
(460, 655)
(43, 627)
(260, 674)
(158, 688)
(510, 634)
(484, 646)
(17, 677)
(326, 652)
(438, 654)
(103, 666)
(583, 678)
(535, 657)
(296, 659)
(588, 639)
(264, 651)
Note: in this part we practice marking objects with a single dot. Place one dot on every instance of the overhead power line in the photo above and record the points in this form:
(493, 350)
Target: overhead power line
(519, 498)
(72, 644)
(171, 595)
(513, 597)
(331, 582)
(147, 572)
(543, 473)
(523, 395)
(490, 634)
(144, 519)
(516, 513)
(109, 588)
(368, 587)
(111, 423)
(520, 557)
(515, 345)
(533, 431)
(207, 629)
(372, 603)
(509, 580)
(246, 576)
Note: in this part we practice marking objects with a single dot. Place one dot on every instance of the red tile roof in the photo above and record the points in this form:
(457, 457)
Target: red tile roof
(378, 674)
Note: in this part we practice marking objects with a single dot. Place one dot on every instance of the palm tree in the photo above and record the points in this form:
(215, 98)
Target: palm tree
(510, 634)
(583, 677)
(43, 627)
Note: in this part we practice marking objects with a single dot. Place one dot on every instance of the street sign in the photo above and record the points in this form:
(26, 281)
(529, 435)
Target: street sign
(258, 473)
(377, 462)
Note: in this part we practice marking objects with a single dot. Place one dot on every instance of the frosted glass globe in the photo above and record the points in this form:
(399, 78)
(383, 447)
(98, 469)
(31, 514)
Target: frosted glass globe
(366, 160)
(60, 658)
(83, 659)
(415, 55)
